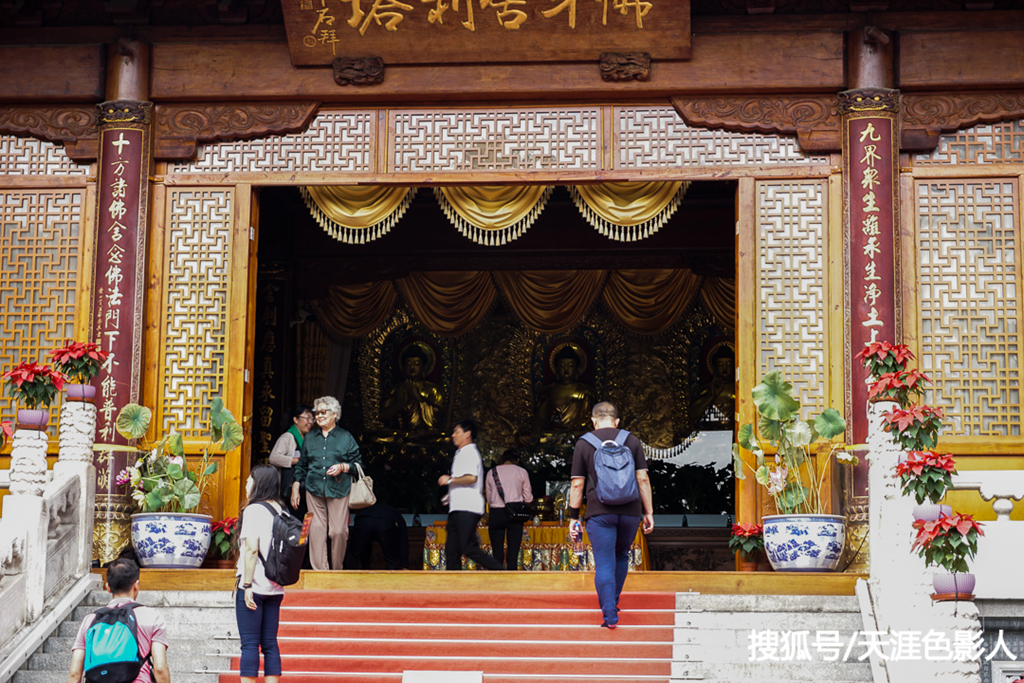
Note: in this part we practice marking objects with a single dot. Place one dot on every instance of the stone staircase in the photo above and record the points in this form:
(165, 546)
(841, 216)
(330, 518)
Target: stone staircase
(344, 636)
(201, 624)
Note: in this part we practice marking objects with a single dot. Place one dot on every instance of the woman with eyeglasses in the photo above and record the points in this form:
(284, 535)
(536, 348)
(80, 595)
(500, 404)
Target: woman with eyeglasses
(285, 453)
(327, 461)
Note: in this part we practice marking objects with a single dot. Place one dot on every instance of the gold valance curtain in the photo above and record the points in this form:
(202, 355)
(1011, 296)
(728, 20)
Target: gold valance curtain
(452, 303)
(628, 211)
(493, 214)
(356, 214)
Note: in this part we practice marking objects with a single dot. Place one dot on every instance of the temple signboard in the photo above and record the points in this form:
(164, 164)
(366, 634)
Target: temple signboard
(484, 31)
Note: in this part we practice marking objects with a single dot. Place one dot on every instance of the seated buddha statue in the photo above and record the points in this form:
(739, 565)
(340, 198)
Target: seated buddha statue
(715, 401)
(563, 408)
(414, 407)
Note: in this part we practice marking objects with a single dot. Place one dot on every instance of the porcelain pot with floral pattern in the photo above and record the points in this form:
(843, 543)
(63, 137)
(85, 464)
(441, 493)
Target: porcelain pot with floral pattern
(804, 543)
(171, 540)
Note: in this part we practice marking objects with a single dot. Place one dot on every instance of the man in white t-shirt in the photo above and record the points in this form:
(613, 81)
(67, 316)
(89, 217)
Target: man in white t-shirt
(465, 501)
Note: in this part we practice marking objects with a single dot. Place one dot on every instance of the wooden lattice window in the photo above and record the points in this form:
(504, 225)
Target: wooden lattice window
(40, 242)
(993, 143)
(969, 302)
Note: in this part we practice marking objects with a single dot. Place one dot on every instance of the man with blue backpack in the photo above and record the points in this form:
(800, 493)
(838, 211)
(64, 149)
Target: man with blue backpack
(609, 464)
(124, 642)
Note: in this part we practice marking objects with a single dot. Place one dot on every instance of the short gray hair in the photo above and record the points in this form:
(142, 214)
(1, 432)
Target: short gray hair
(331, 404)
(604, 409)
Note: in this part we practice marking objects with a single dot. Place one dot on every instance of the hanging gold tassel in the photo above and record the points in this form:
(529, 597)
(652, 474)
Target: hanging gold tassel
(627, 232)
(360, 235)
(491, 237)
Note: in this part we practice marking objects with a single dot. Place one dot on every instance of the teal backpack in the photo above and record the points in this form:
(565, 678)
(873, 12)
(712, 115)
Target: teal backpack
(112, 651)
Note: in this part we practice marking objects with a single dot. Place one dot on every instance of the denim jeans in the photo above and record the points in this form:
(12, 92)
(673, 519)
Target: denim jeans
(611, 537)
(257, 629)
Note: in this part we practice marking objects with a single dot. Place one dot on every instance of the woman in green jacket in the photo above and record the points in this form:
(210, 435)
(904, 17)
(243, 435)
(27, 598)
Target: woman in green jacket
(326, 465)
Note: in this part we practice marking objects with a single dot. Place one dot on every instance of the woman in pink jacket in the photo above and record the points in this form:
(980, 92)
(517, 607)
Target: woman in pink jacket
(515, 484)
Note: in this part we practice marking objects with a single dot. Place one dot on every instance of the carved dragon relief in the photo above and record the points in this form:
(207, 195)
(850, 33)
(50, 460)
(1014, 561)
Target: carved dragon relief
(814, 119)
(73, 125)
(180, 127)
(926, 116)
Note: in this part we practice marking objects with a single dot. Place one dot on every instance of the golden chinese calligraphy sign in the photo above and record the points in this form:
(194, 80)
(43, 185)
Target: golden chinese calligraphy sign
(484, 31)
(870, 148)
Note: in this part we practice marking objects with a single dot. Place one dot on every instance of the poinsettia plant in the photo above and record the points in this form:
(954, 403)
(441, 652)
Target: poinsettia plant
(747, 539)
(905, 386)
(882, 357)
(794, 442)
(6, 432)
(223, 537)
(926, 475)
(34, 384)
(915, 428)
(79, 361)
(948, 542)
(162, 480)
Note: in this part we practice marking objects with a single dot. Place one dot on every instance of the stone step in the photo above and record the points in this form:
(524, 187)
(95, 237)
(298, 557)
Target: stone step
(192, 661)
(774, 672)
(169, 599)
(215, 621)
(179, 647)
(759, 621)
(696, 602)
(26, 676)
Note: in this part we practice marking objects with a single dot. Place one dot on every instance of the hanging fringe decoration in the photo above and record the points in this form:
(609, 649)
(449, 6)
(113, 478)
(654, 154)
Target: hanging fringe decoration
(628, 211)
(357, 214)
(493, 215)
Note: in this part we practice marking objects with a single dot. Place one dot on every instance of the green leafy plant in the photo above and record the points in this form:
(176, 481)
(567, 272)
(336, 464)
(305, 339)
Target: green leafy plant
(162, 479)
(883, 357)
(748, 540)
(33, 384)
(223, 537)
(926, 475)
(948, 542)
(915, 428)
(904, 387)
(794, 442)
(79, 361)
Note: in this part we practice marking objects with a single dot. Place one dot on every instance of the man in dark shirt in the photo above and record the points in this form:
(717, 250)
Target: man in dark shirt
(611, 527)
(382, 523)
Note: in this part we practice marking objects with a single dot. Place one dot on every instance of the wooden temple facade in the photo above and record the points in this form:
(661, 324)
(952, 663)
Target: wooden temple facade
(877, 151)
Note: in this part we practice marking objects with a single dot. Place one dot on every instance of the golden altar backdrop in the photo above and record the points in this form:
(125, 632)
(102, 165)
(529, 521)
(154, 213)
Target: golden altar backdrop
(545, 547)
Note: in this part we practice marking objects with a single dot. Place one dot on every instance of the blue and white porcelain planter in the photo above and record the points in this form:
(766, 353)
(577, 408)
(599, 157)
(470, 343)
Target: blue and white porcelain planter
(170, 540)
(804, 543)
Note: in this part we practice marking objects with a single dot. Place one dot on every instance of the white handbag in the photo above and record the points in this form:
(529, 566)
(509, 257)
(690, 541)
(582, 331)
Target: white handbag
(361, 496)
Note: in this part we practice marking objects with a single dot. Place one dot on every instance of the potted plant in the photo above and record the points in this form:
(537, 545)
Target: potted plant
(927, 476)
(747, 540)
(80, 362)
(34, 385)
(915, 427)
(948, 542)
(882, 357)
(167, 489)
(801, 537)
(222, 541)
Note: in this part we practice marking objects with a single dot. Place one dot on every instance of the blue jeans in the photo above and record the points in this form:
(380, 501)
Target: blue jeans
(257, 628)
(611, 537)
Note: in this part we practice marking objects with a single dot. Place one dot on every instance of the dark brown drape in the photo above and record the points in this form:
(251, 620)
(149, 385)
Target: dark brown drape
(719, 294)
(355, 310)
(448, 303)
(550, 301)
(649, 301)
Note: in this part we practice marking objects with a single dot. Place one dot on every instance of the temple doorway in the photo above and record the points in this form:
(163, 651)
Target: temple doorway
(645, 323)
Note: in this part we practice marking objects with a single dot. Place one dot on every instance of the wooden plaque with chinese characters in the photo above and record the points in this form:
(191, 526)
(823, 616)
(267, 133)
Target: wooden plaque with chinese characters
(483, 31)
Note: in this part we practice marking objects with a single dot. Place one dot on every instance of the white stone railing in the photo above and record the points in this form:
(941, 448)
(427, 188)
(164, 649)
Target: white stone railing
(999, 550)
(45, 527)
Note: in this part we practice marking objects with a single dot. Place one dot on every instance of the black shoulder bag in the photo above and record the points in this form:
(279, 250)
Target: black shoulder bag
(516, 511)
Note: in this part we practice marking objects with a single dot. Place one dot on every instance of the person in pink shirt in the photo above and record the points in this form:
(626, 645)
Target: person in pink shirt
(123, 585)
(515, 483)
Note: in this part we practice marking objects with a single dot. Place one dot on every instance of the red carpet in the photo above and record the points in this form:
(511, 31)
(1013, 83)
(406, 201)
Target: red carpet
(331, 636)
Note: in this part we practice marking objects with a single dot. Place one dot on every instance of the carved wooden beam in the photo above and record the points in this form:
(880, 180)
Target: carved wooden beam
(180, 127)
(625, 66)
(358, 71)
(814, 119)
(924, 117)
(73, 125)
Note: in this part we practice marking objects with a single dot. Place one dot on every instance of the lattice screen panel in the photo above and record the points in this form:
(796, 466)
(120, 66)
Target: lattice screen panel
(994, 143)
(39, 250)
(657, 137)
(564, 138)
(28, 156)
(342, 142)
(791, 287)
(198, 259)
(969, 302)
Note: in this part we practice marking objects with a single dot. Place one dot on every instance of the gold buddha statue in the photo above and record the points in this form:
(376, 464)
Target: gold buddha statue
(415, 406)
(563, 408)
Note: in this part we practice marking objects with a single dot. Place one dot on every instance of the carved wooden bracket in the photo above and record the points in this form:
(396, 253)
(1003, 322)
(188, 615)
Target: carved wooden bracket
(73, 125)
(180, 127)
(925, 117)
(625, 66)
(814, 119)
(358, 71)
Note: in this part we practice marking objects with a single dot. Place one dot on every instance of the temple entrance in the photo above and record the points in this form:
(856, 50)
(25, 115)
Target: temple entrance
(498, 333)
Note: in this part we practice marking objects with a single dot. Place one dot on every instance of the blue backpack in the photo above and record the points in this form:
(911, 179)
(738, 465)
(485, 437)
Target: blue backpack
(112, 651)
(614, 468)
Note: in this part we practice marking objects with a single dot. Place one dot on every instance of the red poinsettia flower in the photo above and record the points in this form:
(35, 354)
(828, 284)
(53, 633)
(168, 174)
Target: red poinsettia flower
(902, 419)
(942, 528)
(747, 529)
(33, 373)
(917, 461)
(901, 354)
(81, 360)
